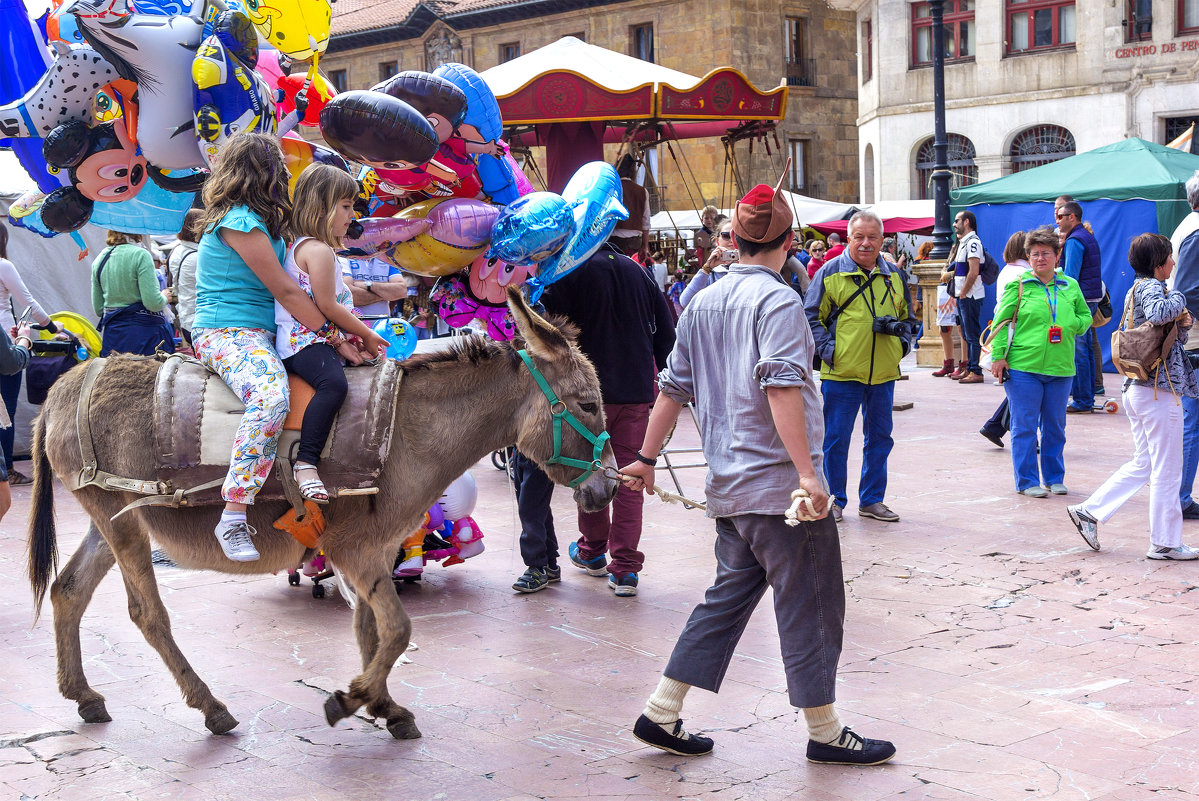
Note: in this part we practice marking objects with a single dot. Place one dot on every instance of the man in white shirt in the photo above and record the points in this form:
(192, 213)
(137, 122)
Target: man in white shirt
(970, 293)
(374, 285)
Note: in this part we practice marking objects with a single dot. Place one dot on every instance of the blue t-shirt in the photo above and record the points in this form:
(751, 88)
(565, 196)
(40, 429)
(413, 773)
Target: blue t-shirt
(228, 294)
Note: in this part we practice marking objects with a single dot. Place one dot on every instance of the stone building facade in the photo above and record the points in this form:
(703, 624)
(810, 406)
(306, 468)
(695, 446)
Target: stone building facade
(1026, 82)
(801, 42)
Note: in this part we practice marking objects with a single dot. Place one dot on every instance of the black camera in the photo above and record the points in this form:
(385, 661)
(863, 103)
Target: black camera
(890, 325)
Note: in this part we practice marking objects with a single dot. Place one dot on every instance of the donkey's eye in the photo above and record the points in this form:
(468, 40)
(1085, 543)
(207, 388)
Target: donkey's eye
(590, 408)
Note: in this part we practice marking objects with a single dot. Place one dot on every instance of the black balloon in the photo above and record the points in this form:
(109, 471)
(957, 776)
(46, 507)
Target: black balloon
(377, 128)
(430, 94)
(65, 210)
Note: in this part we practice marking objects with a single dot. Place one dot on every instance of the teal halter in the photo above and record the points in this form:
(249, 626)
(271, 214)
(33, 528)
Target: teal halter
(560, 413)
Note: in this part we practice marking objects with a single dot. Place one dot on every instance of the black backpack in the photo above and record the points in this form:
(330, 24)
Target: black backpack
(988, 270)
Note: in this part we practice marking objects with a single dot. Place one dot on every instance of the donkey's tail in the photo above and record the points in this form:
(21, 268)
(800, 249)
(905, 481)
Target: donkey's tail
(43, 538)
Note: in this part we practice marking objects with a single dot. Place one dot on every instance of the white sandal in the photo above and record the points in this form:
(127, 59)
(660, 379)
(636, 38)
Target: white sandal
(312, 489)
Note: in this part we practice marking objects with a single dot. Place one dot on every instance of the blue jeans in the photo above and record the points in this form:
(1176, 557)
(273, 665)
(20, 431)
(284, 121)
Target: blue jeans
(970, 310)
(842, 399)
(1190, 448)
(1083, 387)
(10, 390)
(1037, 401)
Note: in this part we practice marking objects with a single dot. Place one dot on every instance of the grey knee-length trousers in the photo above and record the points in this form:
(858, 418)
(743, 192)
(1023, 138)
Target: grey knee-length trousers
(802, 564)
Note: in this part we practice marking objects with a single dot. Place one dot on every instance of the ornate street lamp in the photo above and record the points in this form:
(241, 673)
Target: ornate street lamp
(941, 175)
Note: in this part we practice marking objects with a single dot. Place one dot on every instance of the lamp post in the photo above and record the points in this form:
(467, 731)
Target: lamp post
(941, 175)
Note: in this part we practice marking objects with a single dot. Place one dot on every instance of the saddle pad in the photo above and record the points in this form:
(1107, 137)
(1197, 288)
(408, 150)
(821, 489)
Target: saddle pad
(196, 416)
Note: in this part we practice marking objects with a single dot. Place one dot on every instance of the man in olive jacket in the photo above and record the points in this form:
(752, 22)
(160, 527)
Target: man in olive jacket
(860, 314)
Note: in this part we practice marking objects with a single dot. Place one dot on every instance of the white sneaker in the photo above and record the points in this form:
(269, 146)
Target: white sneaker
(1183, 553)
(235, 542)
(1087, 526)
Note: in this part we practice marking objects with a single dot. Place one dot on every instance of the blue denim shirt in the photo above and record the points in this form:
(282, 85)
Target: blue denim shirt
(742, 334)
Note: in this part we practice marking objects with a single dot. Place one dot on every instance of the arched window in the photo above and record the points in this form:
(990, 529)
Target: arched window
(1039, 145)
(961, 165)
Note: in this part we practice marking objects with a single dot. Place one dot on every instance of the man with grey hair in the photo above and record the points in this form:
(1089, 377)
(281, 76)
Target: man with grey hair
(859, 310)
(1186, 280)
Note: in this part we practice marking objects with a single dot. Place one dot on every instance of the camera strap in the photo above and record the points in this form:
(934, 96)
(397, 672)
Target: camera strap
(836, 312)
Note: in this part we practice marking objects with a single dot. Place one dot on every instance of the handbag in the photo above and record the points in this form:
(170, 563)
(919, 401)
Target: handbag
(1103, 312)
(1139, 352)
(994, 328)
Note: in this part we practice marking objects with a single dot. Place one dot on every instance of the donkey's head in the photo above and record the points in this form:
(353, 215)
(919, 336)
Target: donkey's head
(569, 389)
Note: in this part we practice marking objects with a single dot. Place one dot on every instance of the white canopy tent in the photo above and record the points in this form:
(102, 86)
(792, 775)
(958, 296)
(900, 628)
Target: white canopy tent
(50, 268)
(806, 209)
(615, 71)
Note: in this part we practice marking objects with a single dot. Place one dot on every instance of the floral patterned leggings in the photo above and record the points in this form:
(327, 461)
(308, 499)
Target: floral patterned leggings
(246, 360)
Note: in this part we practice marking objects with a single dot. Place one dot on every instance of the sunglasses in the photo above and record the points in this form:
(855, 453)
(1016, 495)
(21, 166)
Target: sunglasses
(1057, 215)
(726, 234)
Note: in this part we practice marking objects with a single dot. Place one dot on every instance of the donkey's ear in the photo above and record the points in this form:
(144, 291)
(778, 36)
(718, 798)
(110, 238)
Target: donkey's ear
(541, 338)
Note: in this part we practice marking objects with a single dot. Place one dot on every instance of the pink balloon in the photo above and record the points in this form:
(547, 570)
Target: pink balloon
(463, 222)
(522, 183)
(379, 232)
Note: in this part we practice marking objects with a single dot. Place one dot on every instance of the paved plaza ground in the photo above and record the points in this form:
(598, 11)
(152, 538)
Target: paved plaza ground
(1004, 658)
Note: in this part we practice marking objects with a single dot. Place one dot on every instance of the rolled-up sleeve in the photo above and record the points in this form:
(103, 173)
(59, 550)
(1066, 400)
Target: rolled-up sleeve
(784, 359)
(677, 380)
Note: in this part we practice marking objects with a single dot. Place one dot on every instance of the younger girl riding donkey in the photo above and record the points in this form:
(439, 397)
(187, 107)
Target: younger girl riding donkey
(240, 284)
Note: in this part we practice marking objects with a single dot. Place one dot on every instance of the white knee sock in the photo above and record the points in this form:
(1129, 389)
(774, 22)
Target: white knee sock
(666, 704)
(824, 726)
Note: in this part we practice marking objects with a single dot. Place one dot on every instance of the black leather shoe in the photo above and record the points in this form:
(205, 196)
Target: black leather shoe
(997, 439)
(677, 741)
(850, 749)
(1191, 512)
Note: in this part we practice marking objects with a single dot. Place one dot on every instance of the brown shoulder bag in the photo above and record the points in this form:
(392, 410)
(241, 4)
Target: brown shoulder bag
(1139, 352)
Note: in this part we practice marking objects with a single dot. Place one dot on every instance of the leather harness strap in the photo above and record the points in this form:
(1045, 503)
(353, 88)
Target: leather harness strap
(161, 493)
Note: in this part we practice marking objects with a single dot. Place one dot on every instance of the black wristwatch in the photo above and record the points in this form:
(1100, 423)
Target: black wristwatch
(646, 460)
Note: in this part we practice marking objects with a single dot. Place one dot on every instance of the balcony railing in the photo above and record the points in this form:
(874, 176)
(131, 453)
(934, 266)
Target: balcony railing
(801, 72)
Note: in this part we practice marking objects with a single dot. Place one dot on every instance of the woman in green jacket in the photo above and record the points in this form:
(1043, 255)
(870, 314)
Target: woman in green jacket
(1048, 310)
(126, 297)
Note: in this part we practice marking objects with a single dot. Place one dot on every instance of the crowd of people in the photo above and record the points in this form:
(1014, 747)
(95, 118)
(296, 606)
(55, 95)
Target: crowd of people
(258, 290)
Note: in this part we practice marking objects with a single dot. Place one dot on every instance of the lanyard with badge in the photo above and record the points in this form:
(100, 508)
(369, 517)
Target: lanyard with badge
(1055, 330)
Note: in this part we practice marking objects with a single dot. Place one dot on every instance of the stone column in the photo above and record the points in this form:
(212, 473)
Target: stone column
(930, 353)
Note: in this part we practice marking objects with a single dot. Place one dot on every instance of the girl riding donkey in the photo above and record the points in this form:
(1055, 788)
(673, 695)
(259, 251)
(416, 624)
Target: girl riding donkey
(322, 210)
(239, 276)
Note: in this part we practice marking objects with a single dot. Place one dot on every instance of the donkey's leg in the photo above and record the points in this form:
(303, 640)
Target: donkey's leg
(365, 633)
(392, 631)
(70, 594)
(132, 550)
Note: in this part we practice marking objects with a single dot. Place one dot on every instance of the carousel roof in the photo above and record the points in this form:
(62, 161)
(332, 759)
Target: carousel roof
(572, 81)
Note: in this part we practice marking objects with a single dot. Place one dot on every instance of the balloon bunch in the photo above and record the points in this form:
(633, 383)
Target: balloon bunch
(118, 112)
(448, 533)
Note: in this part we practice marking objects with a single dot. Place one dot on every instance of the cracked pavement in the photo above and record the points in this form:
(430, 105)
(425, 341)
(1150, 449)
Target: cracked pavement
(1004, 658)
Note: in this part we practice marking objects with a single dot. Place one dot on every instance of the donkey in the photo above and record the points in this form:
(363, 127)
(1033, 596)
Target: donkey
(453, 409)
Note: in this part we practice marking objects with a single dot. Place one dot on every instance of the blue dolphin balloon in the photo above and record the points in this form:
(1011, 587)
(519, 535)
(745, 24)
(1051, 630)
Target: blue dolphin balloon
(594, 194)
(532, 228)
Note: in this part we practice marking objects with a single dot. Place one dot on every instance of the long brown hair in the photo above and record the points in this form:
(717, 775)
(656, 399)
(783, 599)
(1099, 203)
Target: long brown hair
(4, 241)
(251, 173)
(318, 190)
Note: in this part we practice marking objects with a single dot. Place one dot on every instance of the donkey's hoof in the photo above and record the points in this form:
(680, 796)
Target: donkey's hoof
(335, 708)
(403, 728)
(94, 711)
(221, 722)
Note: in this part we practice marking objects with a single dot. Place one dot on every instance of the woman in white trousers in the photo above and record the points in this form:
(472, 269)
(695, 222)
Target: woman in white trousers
(1154, 413)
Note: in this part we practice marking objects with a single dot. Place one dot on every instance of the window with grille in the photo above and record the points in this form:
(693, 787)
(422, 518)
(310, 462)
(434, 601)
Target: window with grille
(641, 41)
(958, 24)
(1039, 145)
(962, 168)
(1040, 24)
(797, 149)
(801, 67)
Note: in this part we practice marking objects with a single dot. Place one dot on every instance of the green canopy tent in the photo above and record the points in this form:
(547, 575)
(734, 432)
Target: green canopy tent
(1125, 189)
